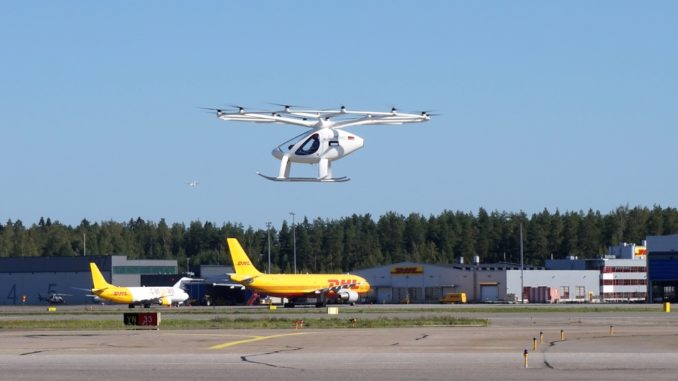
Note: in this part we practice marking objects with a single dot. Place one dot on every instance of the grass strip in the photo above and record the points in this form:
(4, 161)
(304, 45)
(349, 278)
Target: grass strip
(514, 309)
(247, 323)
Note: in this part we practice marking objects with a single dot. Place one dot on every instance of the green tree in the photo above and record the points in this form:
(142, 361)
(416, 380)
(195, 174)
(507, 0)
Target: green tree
(391, 237)
(537, 238)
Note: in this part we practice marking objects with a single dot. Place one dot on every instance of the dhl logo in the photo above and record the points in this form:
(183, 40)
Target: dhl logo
(341, 282)
(244, 263)
(407, 270)
(119, 293)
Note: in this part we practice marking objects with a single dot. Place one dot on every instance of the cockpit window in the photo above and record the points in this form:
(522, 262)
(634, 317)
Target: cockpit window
(310, 146)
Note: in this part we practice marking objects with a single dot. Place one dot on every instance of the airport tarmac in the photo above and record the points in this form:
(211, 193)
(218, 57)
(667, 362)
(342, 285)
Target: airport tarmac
(642, 344)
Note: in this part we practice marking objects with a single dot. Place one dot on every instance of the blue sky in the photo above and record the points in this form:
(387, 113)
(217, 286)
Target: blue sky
(557, 105)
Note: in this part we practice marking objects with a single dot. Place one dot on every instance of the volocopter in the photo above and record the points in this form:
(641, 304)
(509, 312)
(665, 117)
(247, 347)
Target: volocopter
(325, 142)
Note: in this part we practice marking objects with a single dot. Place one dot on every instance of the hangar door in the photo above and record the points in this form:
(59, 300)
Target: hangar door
(384, 295)
(489, 292)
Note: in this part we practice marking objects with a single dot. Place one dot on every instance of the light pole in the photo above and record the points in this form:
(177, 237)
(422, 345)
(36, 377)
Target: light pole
(522, 282)
(268, 237)
(522, 287)
(294, 242)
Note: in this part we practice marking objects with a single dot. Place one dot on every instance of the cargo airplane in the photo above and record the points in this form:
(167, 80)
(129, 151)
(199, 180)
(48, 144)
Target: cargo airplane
(145, 296)
(323, 287)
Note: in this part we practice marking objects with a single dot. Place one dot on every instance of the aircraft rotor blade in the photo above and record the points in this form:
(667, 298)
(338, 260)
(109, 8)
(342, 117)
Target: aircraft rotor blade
(286, 107)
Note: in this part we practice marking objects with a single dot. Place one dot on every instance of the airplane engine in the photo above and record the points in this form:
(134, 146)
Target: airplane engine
(166, 302)
(348, 296)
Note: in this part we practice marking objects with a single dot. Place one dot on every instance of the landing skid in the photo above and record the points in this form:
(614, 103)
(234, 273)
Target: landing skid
(305, 179)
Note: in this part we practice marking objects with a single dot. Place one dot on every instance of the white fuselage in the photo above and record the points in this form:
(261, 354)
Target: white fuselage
(319, 143)
(174, 294)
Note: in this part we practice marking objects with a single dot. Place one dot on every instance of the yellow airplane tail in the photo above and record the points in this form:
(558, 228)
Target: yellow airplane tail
(98, 280)
(241, 262)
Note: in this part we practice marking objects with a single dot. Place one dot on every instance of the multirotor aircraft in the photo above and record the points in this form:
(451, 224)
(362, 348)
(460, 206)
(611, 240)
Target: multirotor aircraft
(325, 142)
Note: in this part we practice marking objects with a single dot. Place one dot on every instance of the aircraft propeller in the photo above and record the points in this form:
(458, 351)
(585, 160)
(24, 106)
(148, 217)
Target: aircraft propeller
(219, 111)
(241, 109)
(286, 107)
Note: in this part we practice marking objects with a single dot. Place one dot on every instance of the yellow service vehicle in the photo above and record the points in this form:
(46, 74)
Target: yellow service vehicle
(454, 297)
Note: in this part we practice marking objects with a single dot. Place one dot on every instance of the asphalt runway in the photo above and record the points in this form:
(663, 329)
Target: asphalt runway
(642, 344)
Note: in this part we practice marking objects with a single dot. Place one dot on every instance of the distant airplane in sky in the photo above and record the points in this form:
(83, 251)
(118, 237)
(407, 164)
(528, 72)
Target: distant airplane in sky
(133, 296)
(193, 184)
(341, 287)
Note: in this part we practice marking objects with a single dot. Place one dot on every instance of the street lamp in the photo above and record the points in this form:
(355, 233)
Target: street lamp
(294, 242)
(522, 282)
(268, 238)
(522, 287)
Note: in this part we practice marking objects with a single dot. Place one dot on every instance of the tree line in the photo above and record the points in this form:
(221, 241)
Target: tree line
(350, 243)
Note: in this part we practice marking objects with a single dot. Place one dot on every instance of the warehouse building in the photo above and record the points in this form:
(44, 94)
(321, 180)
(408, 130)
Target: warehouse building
(662, 268)
(409, 282)
(31, 280)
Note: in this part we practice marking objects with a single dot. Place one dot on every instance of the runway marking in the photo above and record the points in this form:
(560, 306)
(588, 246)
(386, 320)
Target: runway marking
(210, 334)
(253, 339)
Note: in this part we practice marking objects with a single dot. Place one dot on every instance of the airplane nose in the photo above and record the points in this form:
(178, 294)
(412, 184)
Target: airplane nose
(352, 143)
(359, 142)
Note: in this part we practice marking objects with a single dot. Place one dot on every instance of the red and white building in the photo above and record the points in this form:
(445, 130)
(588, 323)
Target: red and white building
(623, 272)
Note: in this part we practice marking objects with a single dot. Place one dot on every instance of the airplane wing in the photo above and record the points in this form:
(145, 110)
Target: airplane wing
(243, 278)
(230, 285)
(161, 300)
(237, 281)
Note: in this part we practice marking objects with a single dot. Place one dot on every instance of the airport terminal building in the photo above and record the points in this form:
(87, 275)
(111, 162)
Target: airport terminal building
(30, 280)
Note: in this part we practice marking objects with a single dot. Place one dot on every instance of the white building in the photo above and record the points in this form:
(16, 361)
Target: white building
(623, 272)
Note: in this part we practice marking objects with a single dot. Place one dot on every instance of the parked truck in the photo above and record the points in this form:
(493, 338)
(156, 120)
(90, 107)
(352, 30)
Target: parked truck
(454, 297)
